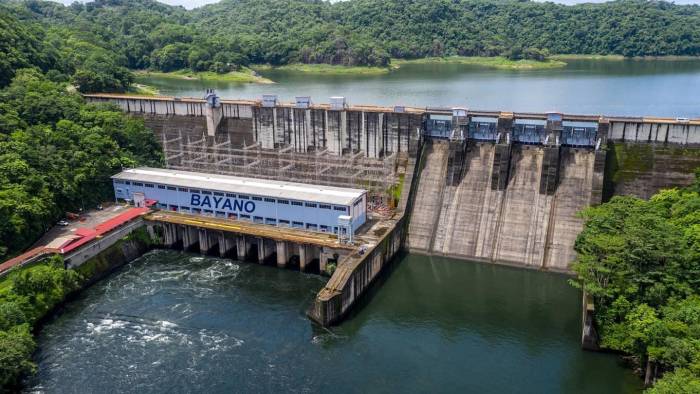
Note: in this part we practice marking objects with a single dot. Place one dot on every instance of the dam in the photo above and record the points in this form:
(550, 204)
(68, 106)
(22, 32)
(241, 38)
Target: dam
(493, 186)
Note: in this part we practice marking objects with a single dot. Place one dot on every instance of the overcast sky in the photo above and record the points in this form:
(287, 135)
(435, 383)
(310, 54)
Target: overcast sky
(189, 4)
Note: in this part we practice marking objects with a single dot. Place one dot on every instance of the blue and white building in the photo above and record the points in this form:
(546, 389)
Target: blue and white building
(290, 204)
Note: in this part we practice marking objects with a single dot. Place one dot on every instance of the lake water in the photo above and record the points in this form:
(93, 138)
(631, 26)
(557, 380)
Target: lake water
(179, 323)
(632, 87)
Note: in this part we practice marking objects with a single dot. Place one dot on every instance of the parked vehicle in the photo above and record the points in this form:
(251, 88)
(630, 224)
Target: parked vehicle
(63, 223)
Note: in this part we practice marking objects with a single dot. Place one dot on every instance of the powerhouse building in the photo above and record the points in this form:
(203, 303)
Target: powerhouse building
(297, 205)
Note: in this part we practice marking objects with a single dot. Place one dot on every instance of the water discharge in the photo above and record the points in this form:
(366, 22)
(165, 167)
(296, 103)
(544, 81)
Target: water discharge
(172, 322)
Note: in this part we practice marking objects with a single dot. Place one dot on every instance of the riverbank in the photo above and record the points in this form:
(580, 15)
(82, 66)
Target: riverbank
(245, 75)
(327, 69)
(29, 296)
(498, 62)
(565, 57)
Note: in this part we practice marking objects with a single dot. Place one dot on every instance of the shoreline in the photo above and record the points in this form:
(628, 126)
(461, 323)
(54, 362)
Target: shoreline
(245, 75)
(325, 69)
(496, 62)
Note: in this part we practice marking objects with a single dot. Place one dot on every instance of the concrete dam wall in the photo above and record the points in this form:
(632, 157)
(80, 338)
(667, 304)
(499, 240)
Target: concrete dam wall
(531, 221)
(493, 186)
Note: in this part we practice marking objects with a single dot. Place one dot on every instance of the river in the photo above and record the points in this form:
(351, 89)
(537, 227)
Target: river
(630, 87)
(179, 323)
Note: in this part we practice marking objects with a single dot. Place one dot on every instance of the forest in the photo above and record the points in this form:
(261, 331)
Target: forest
(640, 260)
(97, 41)
(57, 154)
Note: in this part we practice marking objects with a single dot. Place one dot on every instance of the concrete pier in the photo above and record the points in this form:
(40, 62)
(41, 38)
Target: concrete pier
(282, 254)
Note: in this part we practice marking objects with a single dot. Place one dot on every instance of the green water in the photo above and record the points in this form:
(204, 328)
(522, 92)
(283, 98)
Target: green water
(630, 87)
(178, 323)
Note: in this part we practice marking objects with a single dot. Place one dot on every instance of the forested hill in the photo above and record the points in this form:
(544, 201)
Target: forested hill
(222, 37)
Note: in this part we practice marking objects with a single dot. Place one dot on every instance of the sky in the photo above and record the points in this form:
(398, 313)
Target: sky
(189, 4)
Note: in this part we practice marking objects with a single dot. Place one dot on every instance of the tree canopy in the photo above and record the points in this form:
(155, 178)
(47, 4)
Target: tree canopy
(141, 34)
(57, 154)
(640, 260)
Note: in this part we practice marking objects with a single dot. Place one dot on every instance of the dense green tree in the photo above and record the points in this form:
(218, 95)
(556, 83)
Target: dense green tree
(640, 260)
(16, 347)
(146, 34)
(57, 154)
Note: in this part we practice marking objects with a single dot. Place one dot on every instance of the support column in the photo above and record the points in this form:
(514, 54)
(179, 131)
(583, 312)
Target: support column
(282, 254)
(265, 250)
(323, 258)
(241, 247)
(306, 254)
(189, 238)
(226, 244)
(204, 244)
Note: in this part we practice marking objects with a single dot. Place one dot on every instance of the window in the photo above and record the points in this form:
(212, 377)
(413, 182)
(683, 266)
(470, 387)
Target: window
(324, 206)
(208, 211)
(325, 229)
(342, 209)
(218, 194)
(311, 226)
(150, 185)
(162, 206)
(297, 203)
(358, 202)
(185, 209)
(118, 181)
(256, 198)
(269, 200)
(310, 205)
(243, 197)
(270, 221)
(127, 182)
(220, 214)
(161, 187)
(245, 217)
(284, 222)
(232, 216)
(194, 191)
(286, 202)
(206, 192)
(171, 188)
(298, 224)
(182, 189)
(230, 195)
(138, 184)
(257, 219)
(196, 210)
(173, 207)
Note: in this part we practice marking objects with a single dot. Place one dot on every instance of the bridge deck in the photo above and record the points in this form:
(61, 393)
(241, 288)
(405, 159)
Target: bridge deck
(252, 229)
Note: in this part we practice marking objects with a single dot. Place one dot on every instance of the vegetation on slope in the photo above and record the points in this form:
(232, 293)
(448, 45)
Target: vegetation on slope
(640, 260)
(57, 154)
(497, 62)
(26, 297)
(229, 35)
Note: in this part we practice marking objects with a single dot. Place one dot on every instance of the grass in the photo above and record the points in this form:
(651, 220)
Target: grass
(327, 69)
(620, 57)
(139, 89)
(497, 62)
(587, 57)
(244, 75)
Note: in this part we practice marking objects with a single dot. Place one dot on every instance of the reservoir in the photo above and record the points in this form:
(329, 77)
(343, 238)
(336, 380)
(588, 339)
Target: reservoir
(177, 323)
(609, 87)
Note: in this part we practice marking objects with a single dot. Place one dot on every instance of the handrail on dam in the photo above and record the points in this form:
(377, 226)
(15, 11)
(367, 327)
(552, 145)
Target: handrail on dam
(413, 110)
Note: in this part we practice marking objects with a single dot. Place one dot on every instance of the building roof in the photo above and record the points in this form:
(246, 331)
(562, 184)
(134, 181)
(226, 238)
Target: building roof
(235, 184)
